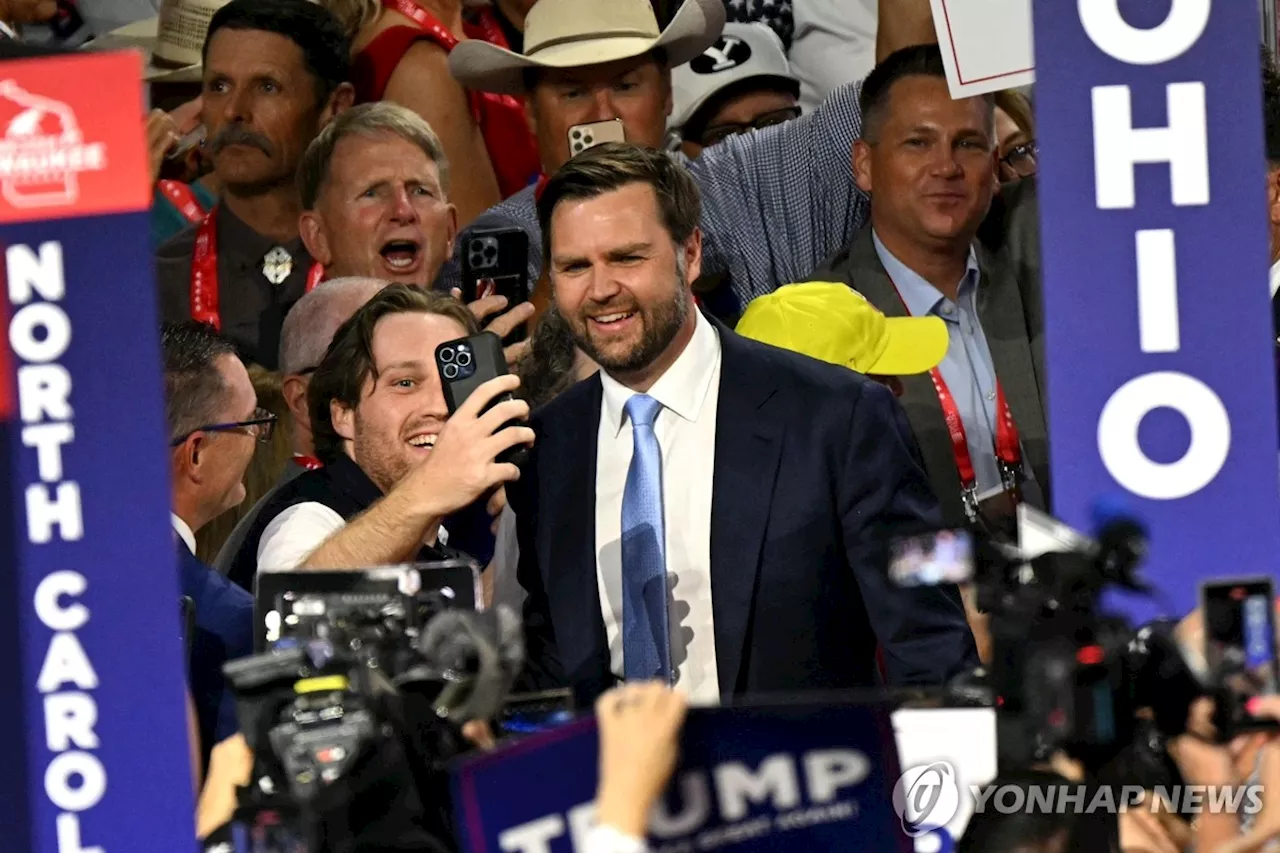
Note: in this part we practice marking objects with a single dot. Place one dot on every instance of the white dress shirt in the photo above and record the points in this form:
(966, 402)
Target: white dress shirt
(686, 430)
(295, 534)
(184, 532)
(1275, 278)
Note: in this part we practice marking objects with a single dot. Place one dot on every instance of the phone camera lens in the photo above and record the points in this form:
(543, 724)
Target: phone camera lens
(446, 355)
(464, 358)
(451, 371)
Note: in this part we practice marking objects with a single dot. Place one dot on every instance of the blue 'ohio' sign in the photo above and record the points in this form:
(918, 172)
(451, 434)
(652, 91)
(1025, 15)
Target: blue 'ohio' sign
(1161, 378)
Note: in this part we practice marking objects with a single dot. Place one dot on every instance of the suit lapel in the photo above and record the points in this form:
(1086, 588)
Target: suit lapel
(568, 519)
(1000, 311)
(747, 449)
(865, 274)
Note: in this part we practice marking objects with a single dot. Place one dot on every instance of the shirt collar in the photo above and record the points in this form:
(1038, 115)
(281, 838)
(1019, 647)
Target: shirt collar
(683, 388)
(8, 31)
(240, 241)
(918, 295)
(184, 532)
(1275, 278)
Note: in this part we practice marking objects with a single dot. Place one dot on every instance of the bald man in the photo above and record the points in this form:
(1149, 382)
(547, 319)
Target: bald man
(308, 329)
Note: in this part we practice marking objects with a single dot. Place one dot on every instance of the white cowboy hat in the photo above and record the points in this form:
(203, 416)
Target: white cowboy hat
(574, 33)
(142, 38)
(170, 43)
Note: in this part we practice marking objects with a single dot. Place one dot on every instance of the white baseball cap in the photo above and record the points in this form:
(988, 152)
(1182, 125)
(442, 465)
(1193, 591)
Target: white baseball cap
(743, 52)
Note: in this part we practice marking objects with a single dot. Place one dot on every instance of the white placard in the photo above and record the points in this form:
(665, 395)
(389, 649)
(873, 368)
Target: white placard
(964, 738)
(986, 44)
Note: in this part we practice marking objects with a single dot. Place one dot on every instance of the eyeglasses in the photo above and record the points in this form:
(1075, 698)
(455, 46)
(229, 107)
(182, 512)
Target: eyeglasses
(1023, 160)
(260, 425)
(720, 132)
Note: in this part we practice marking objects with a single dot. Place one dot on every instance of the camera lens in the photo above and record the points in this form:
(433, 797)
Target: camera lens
(451, 371)
(446, 355)
(464, 358)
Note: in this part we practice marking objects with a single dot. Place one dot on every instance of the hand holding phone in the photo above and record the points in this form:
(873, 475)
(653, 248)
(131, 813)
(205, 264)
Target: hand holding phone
(496, 263)
(465, 464)
(467, 366)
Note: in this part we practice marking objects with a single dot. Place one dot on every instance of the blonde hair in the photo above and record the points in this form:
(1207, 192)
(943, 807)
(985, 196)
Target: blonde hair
(355, 15)
(375, 119)
(1017, 106)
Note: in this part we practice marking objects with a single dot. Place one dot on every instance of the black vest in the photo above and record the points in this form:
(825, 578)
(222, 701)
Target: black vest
(341, 486)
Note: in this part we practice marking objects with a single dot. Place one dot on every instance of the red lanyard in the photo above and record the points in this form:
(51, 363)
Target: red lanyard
(1008, 449)
(310, 463)
(204, 274)
(484, 26)
(181, 196)
(424, 19)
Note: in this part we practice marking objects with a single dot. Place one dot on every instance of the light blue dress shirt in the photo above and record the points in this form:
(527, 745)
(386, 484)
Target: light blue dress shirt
(967, 367)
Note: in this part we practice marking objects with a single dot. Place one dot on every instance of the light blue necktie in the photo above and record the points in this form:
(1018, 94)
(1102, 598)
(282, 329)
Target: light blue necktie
(646, 642)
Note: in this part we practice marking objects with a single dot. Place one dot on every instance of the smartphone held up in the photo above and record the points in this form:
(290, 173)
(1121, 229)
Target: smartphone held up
(584, 136)
(467, 363)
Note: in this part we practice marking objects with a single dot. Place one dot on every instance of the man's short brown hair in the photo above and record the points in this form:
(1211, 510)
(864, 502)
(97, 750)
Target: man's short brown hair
(614, 165)
(381, 118)
(349, 361)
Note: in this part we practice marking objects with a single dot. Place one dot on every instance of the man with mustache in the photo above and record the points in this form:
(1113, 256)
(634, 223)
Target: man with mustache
(275, 73)
(739, 498)
(930, 166)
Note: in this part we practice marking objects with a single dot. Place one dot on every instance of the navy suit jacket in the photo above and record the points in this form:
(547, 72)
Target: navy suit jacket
(223, 632)
(815, 471)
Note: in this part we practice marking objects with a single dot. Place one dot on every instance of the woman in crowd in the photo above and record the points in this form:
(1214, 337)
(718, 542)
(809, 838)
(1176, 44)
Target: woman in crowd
(401, 52)
(1015, 135)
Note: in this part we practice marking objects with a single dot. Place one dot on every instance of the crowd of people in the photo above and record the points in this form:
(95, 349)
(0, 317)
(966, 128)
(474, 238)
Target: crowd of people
(780, 308)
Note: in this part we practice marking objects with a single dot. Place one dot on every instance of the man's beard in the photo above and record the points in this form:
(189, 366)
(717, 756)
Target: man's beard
(382, 461)
(659, 328)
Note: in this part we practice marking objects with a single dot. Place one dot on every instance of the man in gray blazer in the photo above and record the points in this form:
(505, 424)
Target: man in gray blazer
(929, 165)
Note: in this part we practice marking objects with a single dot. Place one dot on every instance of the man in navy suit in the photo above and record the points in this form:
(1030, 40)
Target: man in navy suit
(213, 421)
(708, 510)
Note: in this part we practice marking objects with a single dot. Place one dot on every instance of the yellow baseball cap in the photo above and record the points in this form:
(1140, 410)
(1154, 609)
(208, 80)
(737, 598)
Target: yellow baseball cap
(834, 323)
